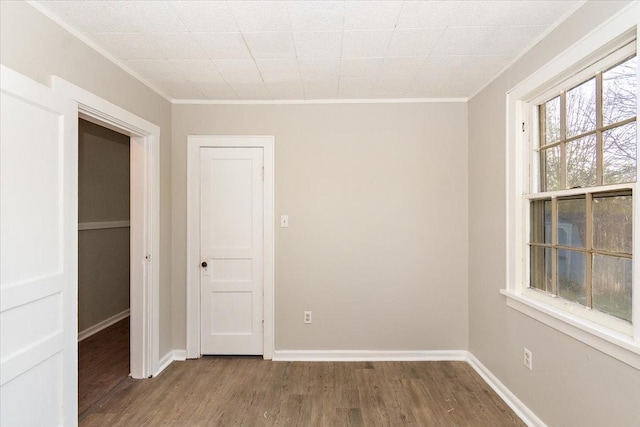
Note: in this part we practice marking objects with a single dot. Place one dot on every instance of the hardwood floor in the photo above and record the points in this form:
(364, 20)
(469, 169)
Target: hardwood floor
(103, 362)
(243, 391)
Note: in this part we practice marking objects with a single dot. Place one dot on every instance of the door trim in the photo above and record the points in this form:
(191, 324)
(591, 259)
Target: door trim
(194, 144)
(144, 219)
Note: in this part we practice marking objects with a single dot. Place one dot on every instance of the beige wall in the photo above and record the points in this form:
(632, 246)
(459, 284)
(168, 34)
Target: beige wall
(103, 195)
(376, 196)
(35, 46)
(571, 384)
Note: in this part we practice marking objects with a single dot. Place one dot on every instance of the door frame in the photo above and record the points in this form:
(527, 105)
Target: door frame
(144, 220)
(194, 144)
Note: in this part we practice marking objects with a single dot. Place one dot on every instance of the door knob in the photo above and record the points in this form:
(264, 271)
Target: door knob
(204, 264)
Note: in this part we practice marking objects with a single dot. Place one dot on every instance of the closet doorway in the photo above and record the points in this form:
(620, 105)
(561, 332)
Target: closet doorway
(103, 261)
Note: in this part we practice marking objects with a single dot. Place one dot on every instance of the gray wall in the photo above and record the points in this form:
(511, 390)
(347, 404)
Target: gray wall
(377, 201)
(35, 46)
(571, 384)
(103, 195)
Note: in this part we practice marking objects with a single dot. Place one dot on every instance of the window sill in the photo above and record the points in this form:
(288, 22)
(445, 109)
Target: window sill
(617, 345)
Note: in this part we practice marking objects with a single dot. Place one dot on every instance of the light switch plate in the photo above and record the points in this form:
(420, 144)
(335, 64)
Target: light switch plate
(284, 221)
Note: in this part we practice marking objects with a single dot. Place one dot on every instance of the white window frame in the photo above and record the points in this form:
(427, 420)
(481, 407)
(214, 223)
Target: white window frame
(601, 331)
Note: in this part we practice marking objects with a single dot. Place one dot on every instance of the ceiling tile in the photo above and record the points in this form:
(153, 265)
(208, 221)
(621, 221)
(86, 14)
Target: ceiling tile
(278, 70)
(478, 70)
(510, 40)
(437, 88)
(92, 17)
(217, 90)
(537, 12)
(424, 14)
(318, 45)
(128, 45)
(238, 71)
(313, 49)
(182, 90)
(316, 15)
(251, 90)
(355, 87)
(205, 16)
(360, 68)
(371, 15)
(155, 70)
(453, 88)
(325, 89)
(369, 43)
(152, 16)
(487, 66)
(392, 87)
(418, 42)
(223, 45)
(487, 13)
(400, 67)
(286, 90)
(198, 70)
(271, 45)
(319, 69)
(253, 16)
(178, 45)
(462, 40)
(482, 13)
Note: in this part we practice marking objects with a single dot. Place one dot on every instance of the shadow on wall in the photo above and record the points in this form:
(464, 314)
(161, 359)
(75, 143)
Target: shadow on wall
(103, 216)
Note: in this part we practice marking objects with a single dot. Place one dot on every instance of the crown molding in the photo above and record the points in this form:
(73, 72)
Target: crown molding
(317, 101)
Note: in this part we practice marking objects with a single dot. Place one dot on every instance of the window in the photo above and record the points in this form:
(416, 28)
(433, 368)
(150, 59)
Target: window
(573, 214)
(583, 170)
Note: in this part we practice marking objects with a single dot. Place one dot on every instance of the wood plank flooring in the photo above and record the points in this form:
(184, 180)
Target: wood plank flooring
(103, 362)
(245, 391)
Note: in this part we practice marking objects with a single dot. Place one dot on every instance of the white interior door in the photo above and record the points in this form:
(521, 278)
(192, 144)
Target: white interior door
(231, 249)
(38, 254)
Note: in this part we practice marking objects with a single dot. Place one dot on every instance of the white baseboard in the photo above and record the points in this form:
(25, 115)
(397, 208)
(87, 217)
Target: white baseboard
(526, 414)
(366, 355)
(170, 357)
(103, 325)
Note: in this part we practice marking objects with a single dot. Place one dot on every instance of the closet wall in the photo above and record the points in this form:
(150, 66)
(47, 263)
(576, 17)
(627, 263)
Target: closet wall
(103, 216)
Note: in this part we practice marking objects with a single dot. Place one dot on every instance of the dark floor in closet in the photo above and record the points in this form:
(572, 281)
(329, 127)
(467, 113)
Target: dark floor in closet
(103, 362)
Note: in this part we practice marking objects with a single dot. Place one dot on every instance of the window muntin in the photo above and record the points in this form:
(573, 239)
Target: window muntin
(580, 246)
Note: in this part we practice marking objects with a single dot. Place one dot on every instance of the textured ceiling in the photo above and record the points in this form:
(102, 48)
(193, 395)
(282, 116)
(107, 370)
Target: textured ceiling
(262, 50)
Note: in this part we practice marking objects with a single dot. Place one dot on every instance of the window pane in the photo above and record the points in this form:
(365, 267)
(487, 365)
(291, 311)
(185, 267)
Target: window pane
(619, 92)
(581, 108)
(541, 268)
(571, 222)
(581, 162)
(551, 158)
(571, 276)
(612, 219)
(541, 221)
(552, 120)
(612, 285)
(620, 154)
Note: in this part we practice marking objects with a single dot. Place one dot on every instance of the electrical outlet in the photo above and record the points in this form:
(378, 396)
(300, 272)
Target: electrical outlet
(528, 358)
(307, 317)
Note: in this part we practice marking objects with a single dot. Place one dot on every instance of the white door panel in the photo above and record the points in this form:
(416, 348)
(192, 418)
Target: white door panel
(231, 284)
(38, 254)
